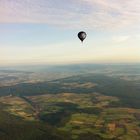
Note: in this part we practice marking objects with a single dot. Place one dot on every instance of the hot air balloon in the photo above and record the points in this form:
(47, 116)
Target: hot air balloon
(82, 35)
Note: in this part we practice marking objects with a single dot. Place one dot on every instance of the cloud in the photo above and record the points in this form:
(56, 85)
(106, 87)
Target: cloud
(120, 39)
(89, 14)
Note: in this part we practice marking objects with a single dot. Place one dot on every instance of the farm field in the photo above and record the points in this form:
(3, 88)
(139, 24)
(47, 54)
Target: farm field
(94, 105)
(77, 115)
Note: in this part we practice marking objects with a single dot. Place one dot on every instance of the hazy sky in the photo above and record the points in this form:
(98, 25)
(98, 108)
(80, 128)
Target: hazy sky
(45, 31)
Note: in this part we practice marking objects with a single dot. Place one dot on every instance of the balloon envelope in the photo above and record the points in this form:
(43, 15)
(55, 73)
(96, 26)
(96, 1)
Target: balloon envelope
(82, 35)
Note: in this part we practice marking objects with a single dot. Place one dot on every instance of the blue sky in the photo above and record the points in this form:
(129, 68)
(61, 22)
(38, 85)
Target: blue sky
(45, 31)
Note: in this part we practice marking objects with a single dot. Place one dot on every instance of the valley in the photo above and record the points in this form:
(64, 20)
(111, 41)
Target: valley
(93, 105)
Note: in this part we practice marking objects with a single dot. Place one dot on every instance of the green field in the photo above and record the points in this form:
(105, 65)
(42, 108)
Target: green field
(70, 114)
(98, 105)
